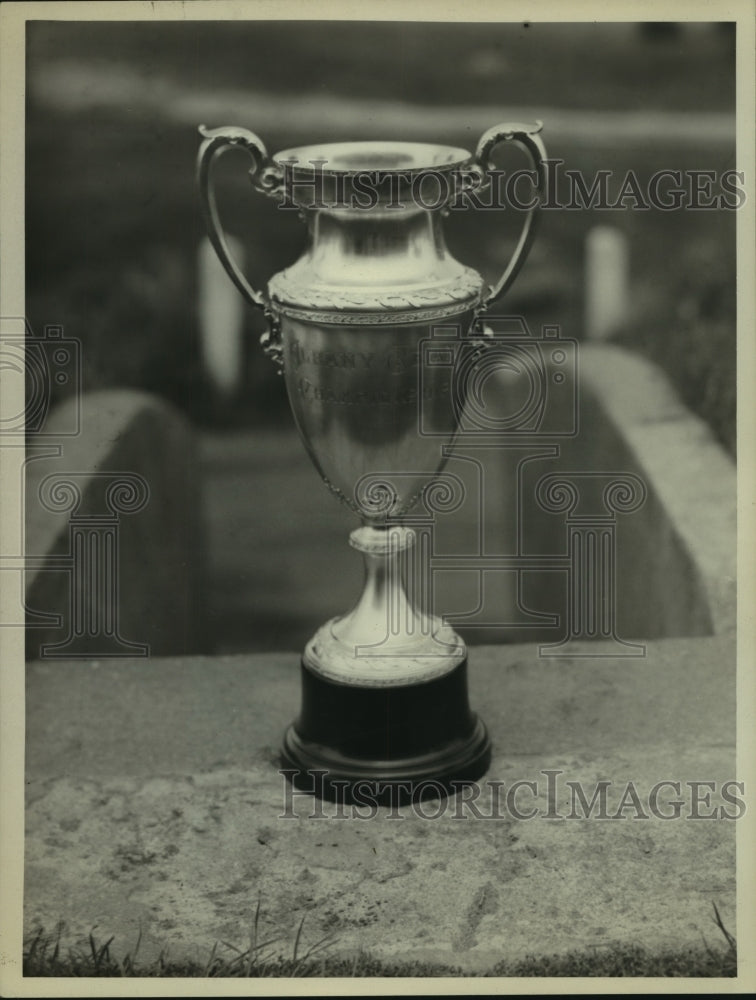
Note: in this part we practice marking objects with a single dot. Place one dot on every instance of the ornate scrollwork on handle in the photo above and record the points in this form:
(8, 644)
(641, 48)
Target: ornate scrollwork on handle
(267, 177)
(271, 342)
(527, 137)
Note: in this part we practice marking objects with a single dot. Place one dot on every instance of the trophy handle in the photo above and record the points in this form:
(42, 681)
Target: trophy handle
(527, 138)
(267, 177)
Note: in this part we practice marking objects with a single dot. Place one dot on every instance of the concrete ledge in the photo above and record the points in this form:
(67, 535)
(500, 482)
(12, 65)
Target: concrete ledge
(682, 545)
(160, 553)
(154, 802)
(675, 556)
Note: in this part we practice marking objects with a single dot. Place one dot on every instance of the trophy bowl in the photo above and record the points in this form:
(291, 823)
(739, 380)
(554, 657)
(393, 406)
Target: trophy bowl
(363, 328)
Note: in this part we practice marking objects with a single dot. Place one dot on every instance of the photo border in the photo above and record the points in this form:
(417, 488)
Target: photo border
(13, 17)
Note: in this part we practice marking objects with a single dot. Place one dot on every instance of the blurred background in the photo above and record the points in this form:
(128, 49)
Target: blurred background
(114, 230)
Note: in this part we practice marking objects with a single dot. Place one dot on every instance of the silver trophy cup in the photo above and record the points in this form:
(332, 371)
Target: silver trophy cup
(384, 687)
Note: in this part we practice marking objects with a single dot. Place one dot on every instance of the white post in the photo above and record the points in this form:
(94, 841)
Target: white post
(221, 317)
(607, 267)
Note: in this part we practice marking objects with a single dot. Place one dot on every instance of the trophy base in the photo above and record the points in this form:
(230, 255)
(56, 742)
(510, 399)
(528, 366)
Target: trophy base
(385, 745)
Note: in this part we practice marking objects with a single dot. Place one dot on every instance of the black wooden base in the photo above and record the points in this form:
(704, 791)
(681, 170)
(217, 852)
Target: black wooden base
(386, 745)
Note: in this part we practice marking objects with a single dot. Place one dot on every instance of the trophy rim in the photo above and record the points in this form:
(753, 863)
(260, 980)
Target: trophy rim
(373, 156)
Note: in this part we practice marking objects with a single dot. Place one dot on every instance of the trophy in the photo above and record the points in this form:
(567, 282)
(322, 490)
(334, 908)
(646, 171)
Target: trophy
(354, 326)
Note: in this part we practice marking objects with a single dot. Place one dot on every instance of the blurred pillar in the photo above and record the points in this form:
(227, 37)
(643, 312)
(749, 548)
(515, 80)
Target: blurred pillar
(607, 267)
(221, 319)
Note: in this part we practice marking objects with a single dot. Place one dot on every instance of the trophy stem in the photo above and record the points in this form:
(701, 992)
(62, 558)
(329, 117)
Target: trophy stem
(383, 618)
(385, 710)
(384, 641)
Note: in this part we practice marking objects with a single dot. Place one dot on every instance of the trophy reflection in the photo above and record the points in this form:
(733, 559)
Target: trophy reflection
(384, 687)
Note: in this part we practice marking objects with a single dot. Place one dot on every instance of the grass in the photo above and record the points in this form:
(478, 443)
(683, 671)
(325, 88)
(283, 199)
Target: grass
(45, 956)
